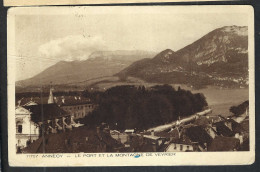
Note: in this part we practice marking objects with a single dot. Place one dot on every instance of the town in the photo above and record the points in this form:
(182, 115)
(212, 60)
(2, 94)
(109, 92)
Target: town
(55, 125)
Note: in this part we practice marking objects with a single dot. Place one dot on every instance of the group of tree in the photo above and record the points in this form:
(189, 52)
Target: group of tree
(125, 107)
(240, 109)
(46, 93)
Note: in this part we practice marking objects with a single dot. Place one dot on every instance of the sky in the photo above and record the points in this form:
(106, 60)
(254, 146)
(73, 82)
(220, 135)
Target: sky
(43, 39)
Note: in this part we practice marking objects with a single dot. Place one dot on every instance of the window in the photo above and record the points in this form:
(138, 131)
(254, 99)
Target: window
(19, 128)
(181, 147)
(175, 146)
(188, 147)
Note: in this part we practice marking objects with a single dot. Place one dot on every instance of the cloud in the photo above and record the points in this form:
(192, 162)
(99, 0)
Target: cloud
(73, 47)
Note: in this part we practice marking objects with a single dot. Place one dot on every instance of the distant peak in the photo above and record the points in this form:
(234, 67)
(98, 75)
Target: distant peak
(239, 30)
(168, 51)
(165, 55)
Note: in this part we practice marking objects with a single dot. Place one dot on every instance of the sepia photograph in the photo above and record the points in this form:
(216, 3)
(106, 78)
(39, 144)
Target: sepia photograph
(129, 82)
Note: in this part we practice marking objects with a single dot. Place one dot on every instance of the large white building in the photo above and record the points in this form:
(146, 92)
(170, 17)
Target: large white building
(26, 130)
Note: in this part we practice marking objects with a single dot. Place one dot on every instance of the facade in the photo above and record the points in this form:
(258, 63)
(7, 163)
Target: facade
(26, 130)
(78, 110)
(179, 147)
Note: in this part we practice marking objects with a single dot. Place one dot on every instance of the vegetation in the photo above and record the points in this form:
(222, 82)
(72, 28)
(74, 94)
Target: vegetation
(46, 93)
(240, 109)
(124, 107)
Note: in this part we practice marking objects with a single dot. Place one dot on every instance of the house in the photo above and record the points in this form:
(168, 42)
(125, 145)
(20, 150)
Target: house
(222, 129)
(197, 134)
(77, 106)
(50, 118)
(222, 143)
(121, 137)
(191, 138)
(82, 139)
(180, 146)
(172, 134)
(27, 131)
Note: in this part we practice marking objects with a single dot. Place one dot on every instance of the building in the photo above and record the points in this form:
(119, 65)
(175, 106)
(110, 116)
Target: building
(180, 146)
(82, 139)
(27, 131)
(50, 118)
(76, 106)
(221, 143)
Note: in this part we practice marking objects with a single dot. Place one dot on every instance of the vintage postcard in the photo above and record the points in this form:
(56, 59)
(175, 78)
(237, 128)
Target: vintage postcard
(81, 2)
(131, 86)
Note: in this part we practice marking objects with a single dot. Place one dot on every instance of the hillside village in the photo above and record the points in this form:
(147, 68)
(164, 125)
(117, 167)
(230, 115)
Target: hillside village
(54, 125)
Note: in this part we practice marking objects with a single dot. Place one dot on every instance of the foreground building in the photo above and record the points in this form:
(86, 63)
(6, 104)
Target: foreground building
(27, 131)
(82, 139)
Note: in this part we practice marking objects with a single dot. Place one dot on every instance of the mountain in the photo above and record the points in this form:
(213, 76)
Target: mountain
(218, 58)
(99, 64)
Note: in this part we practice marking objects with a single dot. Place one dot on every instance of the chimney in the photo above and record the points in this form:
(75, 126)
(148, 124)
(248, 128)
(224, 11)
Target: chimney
(55, 99)
(51, 100)
(152, 132)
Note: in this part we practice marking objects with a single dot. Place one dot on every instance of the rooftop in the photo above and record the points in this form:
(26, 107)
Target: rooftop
(82, 139)
(43, 112)
(221, 143)
(61, 100)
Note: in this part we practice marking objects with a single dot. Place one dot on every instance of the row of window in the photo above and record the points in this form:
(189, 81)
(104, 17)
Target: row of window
(77, 115)
(78, 107)
(181, 147)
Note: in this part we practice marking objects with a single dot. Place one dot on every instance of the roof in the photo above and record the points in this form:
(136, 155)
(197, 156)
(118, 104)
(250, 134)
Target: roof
(202, 121)
(68, 100)
(221, 143)
(223, 130)
(172, 133)
(21, 111)
(76, 142)
(197, 134)
(245, 125)
(129, 130)
(182, 141)
(43, 112)
(72, 100)
(151, 137)
(236, 127)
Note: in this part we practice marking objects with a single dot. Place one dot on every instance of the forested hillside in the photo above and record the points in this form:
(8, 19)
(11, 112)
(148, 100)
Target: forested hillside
(123, 107)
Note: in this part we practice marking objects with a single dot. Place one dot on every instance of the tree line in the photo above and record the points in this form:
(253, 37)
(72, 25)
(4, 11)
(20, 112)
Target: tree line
(240, 109)
(125, 107)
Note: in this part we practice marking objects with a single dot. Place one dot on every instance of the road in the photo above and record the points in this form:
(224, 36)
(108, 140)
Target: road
(184, 120)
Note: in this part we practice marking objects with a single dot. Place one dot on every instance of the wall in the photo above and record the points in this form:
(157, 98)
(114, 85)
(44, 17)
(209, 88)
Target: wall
(79, 111)
(29, 129)
(173, 147)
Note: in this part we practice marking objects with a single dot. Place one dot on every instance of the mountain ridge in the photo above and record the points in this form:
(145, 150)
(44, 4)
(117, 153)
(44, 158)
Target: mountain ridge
(107, 62)
(219, 58)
